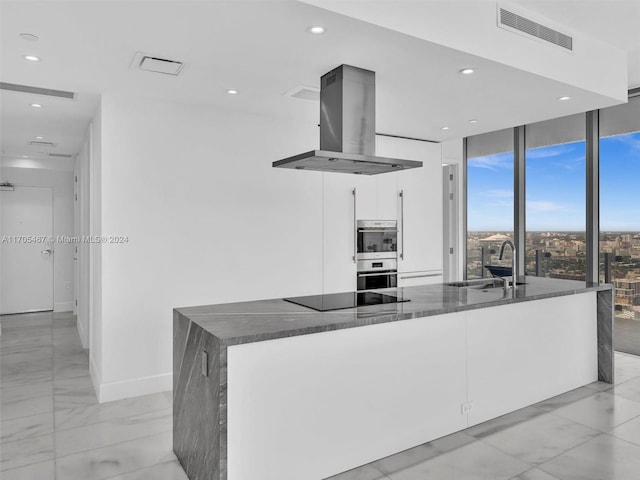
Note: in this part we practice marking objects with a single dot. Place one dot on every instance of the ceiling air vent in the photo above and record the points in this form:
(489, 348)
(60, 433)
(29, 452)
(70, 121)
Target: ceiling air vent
(13, 87)
(155, 64)
(514, 22)
(303, 92)
(42, 144)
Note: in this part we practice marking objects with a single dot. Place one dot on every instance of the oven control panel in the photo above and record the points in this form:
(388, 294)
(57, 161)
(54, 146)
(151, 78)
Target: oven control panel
(377, 265)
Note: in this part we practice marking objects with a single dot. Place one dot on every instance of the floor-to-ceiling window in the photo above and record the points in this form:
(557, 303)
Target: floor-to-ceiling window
(489, 199)
(620, 217)
(555, 204)
(555, 198)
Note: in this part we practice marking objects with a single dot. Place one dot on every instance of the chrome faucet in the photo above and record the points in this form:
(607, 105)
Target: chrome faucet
(514, 261)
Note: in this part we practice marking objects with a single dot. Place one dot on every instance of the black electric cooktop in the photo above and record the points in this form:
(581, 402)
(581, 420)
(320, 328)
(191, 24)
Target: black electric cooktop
(338, 301)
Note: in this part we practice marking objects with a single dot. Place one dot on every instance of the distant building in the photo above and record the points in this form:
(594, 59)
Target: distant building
(495, 239)
(627, 291)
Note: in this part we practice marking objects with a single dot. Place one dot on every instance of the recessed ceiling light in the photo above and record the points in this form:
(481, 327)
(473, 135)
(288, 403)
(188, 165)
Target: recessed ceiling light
(466, 71)
(473, 120)
(444, 128)
(25, 156)
(316, 30)
(31, 58)
(30, 37)
(36, 105)
(39, 137)
(563, 99)
(232, 91)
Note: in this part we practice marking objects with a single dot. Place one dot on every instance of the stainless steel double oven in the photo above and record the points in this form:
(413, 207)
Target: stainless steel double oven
(377, 254)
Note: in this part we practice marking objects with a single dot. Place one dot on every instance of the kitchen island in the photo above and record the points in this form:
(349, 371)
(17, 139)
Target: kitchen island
(273, 390)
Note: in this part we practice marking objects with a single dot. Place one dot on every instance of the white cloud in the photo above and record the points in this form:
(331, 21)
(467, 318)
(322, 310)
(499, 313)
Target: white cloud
(492, 162)
(571, 164)
(546, 152)
(632, 141)
(498, 193)
(544, 206)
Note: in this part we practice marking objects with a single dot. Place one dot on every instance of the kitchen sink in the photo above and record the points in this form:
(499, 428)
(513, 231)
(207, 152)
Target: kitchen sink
(499, 270)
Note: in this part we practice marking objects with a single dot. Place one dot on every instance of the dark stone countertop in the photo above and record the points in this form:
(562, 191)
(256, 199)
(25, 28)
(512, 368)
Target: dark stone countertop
(247, 322)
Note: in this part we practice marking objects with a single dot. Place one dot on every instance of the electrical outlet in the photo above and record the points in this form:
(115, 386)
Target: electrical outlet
(466, 408)
(205, 363)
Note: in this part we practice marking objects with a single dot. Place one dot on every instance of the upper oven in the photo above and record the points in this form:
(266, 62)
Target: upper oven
(377, 239)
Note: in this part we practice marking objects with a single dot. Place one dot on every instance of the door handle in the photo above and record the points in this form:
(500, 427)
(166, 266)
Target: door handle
(355, 227)
(47, 251)
(401, 224)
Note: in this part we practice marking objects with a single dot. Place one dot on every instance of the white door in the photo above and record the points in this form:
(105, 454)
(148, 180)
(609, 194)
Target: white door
(26, 252)
(338, 231)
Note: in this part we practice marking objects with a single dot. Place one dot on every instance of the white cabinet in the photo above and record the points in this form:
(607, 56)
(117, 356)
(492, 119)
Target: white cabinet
(366, 196)
(338, 243)
(523, 353)
(387, 196)
(419, 205)
(377, 197)
(341, 209)
(355, 395)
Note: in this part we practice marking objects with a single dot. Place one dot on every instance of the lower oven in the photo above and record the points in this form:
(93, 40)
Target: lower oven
(379, 273)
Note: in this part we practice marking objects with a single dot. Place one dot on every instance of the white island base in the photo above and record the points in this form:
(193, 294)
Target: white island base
(311, 406)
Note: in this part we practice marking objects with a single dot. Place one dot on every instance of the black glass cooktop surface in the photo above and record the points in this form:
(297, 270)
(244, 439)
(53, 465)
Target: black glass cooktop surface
(338, 301)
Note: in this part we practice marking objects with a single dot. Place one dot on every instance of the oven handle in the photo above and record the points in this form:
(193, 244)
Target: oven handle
(355, 228)
(422, 276)
(387, 230)
(377, 274)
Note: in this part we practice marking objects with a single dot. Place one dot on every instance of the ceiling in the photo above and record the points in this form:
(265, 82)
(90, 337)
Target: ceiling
(263, 50)
(614, 21)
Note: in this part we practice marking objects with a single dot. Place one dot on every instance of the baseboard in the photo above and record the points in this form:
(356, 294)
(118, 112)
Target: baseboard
(135, 387)
(94, 373)
(63, 307)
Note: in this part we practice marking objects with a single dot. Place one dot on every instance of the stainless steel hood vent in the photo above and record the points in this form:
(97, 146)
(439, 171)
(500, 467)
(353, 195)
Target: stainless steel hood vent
(347, 128)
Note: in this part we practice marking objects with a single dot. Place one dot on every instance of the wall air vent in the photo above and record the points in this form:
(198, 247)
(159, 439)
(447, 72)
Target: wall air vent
(303, 92)
(156, 64)
(42, 144)
(61, 155)
(509, 20)
(13, 87)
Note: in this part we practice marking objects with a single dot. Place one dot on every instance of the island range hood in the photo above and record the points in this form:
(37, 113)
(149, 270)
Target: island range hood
(347, 128)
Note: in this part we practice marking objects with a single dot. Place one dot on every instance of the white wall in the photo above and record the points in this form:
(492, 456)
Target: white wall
(208, 220)
(94, 179)
(61, 182)
(82, 231)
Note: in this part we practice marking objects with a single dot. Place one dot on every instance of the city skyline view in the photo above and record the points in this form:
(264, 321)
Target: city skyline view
(555, 187)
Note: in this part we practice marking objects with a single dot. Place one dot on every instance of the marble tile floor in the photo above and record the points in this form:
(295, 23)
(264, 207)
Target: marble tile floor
(52, 427)
(591, 433)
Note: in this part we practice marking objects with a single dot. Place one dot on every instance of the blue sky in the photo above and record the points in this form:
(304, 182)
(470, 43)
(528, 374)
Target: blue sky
(556, 187)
